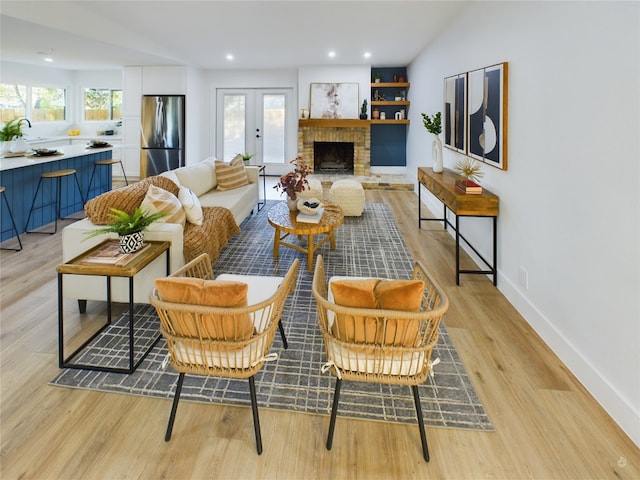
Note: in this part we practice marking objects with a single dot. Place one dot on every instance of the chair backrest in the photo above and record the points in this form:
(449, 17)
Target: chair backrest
(380, 345)
(206, 340)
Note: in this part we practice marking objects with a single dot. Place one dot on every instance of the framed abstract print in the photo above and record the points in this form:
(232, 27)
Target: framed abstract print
(334, 100)
(455, 113)
(487, 115)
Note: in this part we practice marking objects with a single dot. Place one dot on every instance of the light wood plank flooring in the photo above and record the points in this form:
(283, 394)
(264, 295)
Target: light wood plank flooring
(546, 425)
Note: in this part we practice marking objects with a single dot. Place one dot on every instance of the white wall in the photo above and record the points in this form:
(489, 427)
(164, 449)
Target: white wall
(569, 201)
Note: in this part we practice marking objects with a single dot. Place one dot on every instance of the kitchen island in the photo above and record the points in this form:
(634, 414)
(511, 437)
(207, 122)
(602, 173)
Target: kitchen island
(20, 176)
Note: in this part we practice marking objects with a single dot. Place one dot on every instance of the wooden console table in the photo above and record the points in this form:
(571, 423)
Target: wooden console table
(443, 186)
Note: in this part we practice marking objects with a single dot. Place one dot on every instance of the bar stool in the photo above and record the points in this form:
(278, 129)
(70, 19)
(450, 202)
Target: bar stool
(57, 175)
(13, 222)
(109, 161)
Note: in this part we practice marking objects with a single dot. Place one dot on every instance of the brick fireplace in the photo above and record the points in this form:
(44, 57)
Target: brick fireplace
(357, 132)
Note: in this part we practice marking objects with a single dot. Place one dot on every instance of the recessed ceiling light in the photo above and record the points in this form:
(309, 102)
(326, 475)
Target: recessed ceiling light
(367, 54)
(48, 59)
(332, 54)
(229, 56)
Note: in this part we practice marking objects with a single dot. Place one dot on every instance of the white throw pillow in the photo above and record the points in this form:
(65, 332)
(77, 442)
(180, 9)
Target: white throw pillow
(191, 206)
(171, 175)
(199, 178)
(159, 200)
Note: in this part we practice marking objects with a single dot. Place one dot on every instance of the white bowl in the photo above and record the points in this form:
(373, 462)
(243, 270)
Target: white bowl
(309, 206)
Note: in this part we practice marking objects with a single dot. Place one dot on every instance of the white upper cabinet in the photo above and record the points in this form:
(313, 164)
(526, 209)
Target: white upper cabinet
(164, 80)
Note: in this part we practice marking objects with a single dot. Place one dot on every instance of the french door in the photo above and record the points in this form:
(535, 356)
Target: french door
(256, 121)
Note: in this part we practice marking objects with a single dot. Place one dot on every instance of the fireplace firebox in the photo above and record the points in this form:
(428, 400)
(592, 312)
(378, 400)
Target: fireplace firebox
(333, 157)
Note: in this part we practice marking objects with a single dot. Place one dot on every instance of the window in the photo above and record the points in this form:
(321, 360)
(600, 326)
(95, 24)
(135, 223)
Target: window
(13, 102)
(40, 104)
(102, 104)
(48, 104)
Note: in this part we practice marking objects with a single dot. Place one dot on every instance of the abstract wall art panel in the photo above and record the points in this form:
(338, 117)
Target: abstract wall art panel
(487, 115)
(334, 100)
(455, 112)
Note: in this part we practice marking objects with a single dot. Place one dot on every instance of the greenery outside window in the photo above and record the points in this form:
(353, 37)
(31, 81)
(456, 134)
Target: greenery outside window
(48, 104)
(102, 104)
(13, 102)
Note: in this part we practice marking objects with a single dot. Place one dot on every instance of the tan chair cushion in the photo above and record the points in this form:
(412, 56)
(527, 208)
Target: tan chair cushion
(404, 295)
(159, 200)
(213, 293)
(231, 175)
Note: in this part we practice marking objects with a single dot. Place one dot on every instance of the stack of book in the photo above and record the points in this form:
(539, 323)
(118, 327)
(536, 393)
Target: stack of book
(467, 186)
(306, 218)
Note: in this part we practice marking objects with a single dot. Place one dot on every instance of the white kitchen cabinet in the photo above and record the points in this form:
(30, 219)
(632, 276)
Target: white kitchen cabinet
(131, 91)
(164, 80)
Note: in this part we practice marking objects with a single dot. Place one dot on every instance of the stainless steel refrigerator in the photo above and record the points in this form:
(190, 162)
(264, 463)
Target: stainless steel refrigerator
(162, 134)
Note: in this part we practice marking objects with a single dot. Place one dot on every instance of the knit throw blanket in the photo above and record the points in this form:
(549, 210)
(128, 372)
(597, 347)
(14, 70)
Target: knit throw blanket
(217, 228)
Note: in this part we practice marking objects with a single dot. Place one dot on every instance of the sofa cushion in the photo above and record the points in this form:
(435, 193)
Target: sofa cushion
(171, 175)
(159, 200)
(199, 178)
(231, 175)
(212, 293)
(191, 205)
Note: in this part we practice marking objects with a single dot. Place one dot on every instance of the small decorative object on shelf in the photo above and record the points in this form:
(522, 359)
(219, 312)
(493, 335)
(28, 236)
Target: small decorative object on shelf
(294, 182)
(130, 228)
(469, 169)
(375, 114)
(377, 78)
(363, 110)
(434, 126)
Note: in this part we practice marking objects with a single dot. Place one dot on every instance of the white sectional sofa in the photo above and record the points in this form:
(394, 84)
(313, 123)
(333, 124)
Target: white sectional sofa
(201, 179)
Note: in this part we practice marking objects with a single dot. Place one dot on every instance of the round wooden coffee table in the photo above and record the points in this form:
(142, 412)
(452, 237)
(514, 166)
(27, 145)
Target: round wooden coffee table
(284, 221)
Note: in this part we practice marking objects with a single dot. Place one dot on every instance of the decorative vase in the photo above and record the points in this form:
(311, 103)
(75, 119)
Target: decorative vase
(132, 242)
(436, 153)
(292, 204)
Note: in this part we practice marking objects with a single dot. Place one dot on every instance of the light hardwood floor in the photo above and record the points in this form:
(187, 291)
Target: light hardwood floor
(546, 425)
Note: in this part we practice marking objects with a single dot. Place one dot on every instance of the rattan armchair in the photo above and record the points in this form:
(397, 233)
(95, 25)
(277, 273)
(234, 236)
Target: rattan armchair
(195, 348)
(394, 346)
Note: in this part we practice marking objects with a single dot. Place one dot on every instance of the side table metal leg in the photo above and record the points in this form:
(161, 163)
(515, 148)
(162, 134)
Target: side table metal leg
(495, 251)
(60, 324)
(457, 249)
(131, 340)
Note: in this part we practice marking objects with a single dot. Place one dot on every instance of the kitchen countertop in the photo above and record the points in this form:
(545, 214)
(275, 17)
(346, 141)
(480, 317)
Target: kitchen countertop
(68, 151)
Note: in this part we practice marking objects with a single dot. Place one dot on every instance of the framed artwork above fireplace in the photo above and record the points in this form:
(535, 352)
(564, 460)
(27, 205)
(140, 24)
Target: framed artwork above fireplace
(334, 100)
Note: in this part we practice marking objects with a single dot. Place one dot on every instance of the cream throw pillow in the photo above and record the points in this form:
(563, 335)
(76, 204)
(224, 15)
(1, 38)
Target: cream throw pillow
(191, 206)
(231, 175)
(159, 200)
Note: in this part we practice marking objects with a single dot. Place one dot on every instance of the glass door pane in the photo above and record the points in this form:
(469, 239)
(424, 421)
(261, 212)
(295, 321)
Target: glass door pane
(234, 125)
(273, 128)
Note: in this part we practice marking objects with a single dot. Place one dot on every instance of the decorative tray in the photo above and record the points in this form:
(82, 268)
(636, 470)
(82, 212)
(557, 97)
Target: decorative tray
(97, 144)
(45, 152)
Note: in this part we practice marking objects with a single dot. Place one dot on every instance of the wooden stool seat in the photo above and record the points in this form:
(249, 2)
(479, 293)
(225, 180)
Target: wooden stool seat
(108, 161)
(57, 175)
(13, 222)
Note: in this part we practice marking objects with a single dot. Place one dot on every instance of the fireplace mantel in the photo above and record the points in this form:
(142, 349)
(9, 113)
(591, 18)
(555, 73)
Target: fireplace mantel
(334, 123)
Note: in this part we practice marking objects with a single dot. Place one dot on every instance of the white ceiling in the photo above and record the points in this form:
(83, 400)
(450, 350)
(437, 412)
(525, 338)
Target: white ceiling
(98, 35)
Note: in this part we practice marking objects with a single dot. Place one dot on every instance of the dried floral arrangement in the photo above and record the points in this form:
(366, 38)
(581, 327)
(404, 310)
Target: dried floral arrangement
(294, 182)
(469, 169)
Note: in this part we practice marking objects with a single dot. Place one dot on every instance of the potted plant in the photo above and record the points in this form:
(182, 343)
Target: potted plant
(246, 157)
(130, 228)
(11, 130)
(363, 110)
(434, 125)
(377, 78)
(294, 182)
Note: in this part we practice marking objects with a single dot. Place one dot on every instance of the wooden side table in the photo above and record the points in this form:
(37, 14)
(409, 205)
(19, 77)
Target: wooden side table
(89, 263)
(284, 221)
(486, 204)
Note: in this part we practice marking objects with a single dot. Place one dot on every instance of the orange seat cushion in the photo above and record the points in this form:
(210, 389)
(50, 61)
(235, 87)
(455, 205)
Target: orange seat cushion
(403, 295)
(212, 293)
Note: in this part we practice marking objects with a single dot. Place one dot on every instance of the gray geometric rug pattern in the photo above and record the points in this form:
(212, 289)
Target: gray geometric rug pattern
(371, 246)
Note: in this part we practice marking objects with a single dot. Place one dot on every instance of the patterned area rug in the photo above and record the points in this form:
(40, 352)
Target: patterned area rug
(370, 246)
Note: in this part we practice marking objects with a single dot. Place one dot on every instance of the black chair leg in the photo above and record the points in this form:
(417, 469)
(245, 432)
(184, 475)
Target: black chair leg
(423, 435)
(82, 306)
(256, 419)
(334, 412)
(282, 335)
(174, 407)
